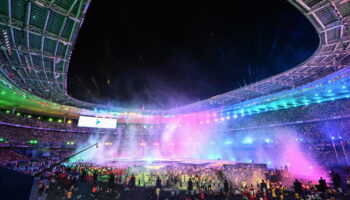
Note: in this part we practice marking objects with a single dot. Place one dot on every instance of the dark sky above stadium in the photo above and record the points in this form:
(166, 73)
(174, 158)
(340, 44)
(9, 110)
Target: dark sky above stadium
(162, 54)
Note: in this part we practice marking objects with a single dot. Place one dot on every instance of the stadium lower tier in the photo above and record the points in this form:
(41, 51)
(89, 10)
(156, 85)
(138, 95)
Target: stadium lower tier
(318, 142)
(219, 162)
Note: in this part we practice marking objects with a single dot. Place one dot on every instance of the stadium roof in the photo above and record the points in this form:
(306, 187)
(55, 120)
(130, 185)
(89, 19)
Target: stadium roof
(37, 38)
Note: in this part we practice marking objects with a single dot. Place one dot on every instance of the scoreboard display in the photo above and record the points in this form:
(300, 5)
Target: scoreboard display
(94, 122)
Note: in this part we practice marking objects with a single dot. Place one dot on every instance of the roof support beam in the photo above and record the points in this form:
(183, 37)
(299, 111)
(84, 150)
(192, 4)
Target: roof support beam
(55, 54)
(72, 6)
(38, 70)
(282, 83)
(56, 9)
(13, 39)
(36, 53)
(42, 46)
(36, 74)
(29, 6)
(42, 34)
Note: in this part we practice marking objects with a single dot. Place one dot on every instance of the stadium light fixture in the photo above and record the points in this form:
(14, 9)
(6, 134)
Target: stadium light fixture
(228, 142)
(142, 144)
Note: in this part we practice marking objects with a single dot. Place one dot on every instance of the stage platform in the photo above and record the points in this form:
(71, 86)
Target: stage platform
(163, 162)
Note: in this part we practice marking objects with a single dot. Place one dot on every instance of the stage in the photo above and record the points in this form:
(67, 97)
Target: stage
(154, 163)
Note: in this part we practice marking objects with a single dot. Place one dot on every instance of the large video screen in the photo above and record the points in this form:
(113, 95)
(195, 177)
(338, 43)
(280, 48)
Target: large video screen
(106, 123)
(95, 122)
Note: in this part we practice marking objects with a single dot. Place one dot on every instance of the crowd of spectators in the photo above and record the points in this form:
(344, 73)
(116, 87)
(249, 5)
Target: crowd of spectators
(178, 181)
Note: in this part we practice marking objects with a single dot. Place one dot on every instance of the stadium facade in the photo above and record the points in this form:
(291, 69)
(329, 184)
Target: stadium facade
(37, 38)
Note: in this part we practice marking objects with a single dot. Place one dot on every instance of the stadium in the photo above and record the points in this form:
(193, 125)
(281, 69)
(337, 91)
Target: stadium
(284, 137)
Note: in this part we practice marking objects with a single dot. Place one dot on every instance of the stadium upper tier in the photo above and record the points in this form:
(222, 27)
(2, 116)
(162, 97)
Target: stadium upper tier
(37, 38)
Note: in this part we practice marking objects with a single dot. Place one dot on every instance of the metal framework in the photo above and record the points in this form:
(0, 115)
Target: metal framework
(41, 35)
(37, 39)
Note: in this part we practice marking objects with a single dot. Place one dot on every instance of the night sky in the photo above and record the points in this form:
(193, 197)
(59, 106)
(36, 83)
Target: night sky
(161, 54)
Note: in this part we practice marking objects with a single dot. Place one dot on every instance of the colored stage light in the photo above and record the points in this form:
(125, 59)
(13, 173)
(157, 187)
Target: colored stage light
(69, 121)
(155, 144)
(1, 139)
(33, 141)
(267, 140)
(142, 144)
(29, 116)
(228, 142)
(18, 114)
(50, 119)
(59, 121)
(247, 141)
